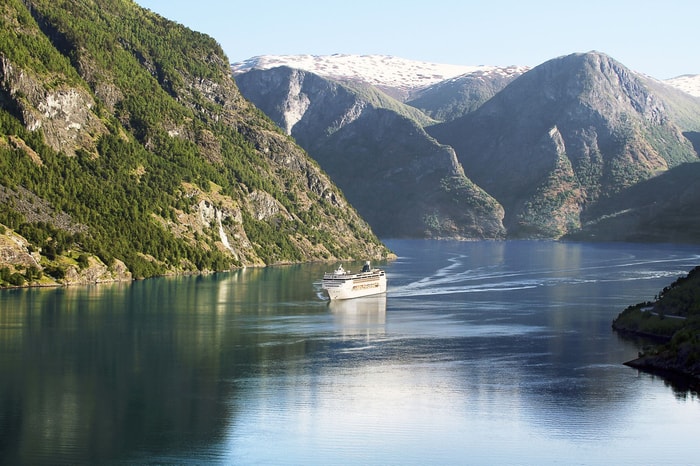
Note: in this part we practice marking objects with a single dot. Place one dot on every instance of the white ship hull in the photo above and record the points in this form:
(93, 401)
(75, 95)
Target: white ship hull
(344, 285)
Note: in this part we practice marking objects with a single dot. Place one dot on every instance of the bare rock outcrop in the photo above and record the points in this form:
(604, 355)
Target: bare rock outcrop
(62, 112)
(15, 252)
(96, 272)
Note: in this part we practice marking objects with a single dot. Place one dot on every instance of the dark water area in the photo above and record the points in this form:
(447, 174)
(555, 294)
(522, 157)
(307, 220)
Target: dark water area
(479, 353)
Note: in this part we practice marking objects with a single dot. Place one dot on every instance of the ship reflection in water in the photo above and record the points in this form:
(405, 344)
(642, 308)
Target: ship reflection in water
(365, 316)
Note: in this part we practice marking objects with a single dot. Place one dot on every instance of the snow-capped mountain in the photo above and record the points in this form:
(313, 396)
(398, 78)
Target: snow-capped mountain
(383, 71)
(689, 83)
(406, 76)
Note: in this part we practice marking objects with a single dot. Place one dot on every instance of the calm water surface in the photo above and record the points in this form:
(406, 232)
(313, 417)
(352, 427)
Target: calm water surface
(480, 353)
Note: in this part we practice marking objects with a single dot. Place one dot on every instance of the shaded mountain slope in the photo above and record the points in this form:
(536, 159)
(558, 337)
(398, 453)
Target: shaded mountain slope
(398, 177)
(661, 209)
(130, 133)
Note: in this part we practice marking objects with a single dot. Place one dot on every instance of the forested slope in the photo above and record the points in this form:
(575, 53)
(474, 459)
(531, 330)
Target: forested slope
(123, 138)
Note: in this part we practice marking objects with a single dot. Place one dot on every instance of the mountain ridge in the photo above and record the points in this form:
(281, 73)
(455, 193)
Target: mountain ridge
(399, 77)
(564, 136)
(406, 75)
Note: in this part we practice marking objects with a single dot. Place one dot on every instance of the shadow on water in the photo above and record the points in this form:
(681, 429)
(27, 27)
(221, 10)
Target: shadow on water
(683, 387)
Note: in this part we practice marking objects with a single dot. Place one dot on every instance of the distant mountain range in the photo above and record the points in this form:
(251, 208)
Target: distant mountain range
(402, 181)
(542, 150)
(400, 75)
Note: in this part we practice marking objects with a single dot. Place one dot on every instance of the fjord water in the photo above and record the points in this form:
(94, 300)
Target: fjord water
(480, 353)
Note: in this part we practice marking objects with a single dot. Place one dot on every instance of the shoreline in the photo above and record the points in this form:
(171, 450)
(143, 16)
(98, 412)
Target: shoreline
(659, 360)
(124, 278)
(677, 377)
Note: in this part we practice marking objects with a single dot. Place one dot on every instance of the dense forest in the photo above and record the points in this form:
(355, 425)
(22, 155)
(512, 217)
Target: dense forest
(118, 128)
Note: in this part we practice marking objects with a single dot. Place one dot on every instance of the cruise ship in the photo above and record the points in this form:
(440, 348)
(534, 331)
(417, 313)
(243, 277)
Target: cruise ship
(343, 284)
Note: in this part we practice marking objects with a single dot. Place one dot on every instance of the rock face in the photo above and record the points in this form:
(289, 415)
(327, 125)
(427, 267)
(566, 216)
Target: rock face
(96, 272)
(14, 252)
(16, 256)
(63, 114)
(401, 180)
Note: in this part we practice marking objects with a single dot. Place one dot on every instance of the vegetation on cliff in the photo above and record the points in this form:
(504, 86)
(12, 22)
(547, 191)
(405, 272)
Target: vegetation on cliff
(124, 138)
(673, 319)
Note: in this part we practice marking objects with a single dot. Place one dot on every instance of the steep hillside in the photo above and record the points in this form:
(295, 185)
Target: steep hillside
(661, 209)
(564, 136)
(402, 181)
(123, 138)
(285, 95)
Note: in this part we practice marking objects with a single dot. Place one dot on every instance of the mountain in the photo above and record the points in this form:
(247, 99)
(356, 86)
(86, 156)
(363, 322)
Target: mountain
(402, 181)
(125, 145)
(566, 136)
(398, 77)
(549, 148)
(455, 97)
(401, 76)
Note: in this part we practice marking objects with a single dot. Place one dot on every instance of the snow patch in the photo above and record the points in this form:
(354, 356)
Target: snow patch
(689, 83)
(378, 70)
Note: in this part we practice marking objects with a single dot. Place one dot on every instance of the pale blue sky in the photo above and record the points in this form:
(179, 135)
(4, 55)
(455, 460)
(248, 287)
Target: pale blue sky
(658, 38)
